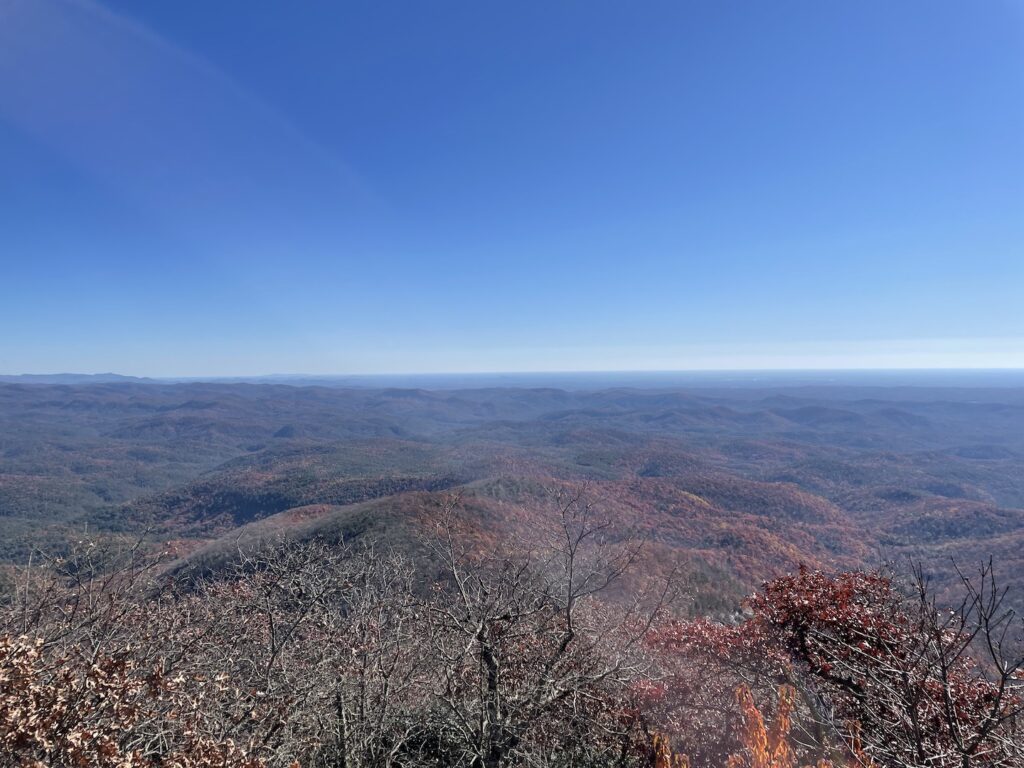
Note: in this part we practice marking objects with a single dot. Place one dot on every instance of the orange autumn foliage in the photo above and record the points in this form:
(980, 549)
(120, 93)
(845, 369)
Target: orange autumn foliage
(766, 744)
(663, 755)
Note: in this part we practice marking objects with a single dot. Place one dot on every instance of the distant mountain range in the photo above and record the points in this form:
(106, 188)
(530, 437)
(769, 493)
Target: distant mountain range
(710, 382)
(737, 484)
(71, 378)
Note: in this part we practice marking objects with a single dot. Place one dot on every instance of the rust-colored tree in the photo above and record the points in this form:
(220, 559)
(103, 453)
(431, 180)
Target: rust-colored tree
(896, 676)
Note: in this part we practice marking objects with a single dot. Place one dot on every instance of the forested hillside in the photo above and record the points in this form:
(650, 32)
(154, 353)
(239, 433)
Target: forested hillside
(738, 484)
(255, 575)
(526, 651)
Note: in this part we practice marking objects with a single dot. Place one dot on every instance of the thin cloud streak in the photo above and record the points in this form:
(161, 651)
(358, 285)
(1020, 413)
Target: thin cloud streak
(161, 126)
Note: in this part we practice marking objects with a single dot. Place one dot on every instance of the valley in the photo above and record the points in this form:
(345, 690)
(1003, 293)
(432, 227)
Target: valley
(732, 485)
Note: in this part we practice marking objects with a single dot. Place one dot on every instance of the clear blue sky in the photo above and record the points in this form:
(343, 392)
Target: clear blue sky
(242, 187)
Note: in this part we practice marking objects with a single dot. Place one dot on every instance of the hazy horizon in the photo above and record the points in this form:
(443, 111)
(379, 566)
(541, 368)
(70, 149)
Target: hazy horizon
(852, 380)
(902, 355)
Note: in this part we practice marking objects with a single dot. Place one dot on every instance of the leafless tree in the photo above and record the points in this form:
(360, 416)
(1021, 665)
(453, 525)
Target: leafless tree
(331, 655)
(531, 661)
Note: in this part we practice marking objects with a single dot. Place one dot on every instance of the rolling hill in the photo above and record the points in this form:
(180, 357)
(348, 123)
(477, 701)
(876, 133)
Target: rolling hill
(734, 485)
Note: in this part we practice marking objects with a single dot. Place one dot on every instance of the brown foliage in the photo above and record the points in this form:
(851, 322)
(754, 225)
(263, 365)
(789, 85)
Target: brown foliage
(327, 655)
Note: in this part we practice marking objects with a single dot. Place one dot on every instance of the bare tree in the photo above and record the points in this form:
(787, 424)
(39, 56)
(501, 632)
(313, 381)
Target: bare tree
(530, 660)
(331, 655)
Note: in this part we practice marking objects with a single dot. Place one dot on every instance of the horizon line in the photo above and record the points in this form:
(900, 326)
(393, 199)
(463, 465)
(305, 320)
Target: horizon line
(548, 372)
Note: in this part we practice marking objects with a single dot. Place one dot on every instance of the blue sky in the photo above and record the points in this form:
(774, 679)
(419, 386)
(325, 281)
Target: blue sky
(246, 187)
